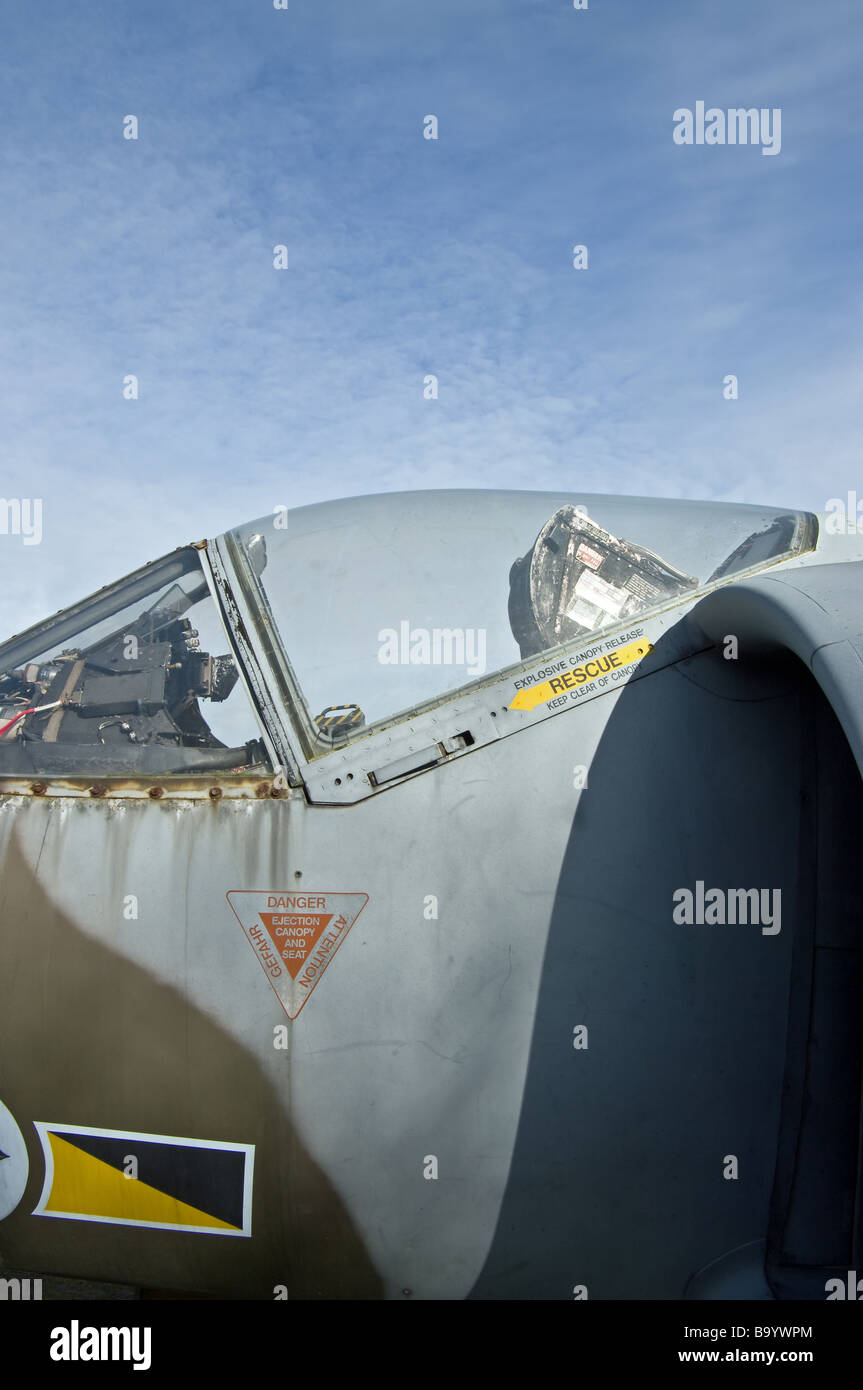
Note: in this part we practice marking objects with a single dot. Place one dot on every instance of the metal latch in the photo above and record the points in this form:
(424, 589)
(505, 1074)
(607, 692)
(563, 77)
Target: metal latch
(415, 762)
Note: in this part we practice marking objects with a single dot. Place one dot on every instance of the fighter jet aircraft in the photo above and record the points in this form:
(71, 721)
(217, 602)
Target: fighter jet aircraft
(441, 895)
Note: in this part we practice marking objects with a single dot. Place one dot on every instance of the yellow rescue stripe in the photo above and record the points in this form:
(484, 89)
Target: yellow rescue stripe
(578, 676)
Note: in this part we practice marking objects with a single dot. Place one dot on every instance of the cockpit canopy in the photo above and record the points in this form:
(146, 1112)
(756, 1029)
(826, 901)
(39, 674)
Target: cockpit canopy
(367, 609)
(382, 604)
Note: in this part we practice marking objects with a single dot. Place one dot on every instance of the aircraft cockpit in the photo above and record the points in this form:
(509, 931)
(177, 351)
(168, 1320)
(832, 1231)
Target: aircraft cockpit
(369, 610)
(117, 683)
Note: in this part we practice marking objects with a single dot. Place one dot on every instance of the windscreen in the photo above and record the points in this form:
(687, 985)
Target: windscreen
(135, 679)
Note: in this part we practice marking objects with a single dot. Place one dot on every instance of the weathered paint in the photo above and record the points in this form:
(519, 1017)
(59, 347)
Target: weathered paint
(442, 1034)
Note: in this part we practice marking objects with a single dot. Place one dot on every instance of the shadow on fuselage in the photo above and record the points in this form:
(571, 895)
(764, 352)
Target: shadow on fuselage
(651, 1151)
(88, 1037)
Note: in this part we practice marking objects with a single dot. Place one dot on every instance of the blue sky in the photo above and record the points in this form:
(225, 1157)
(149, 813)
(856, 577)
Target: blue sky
(408, 256)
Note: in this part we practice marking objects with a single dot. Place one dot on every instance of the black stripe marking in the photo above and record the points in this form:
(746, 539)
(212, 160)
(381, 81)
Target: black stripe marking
(210, 1179)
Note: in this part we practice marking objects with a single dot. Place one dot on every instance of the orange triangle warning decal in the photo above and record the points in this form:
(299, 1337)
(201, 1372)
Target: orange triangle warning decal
(295, 935)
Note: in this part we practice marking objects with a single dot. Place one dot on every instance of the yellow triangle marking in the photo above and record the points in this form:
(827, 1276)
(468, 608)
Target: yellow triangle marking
(86, 1186)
